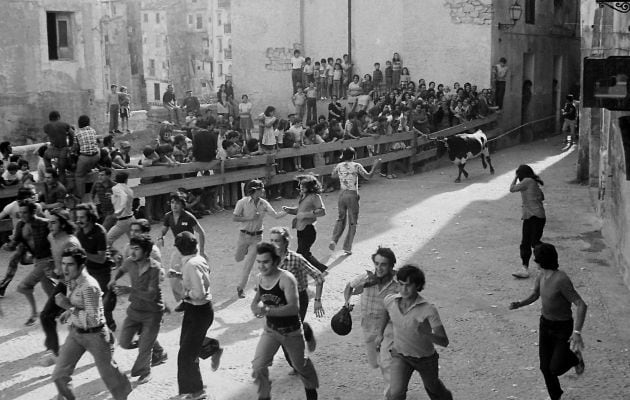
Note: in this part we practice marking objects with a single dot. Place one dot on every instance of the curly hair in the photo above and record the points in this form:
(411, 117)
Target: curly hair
(310, 184)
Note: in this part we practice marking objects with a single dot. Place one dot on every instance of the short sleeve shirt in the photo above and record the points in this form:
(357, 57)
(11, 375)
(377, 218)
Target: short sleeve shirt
(556, 294)
(246, 207)
(296, 62)
(348, 172)
(145, 277)
(185, 223)
(57, 132)
(408, 340)
(93, 242)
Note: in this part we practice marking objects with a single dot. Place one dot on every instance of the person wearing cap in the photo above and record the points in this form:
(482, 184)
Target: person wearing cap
(348, 173)
(121, 158)
(249, 213)
(560, 342)
(61, 236)
(198, 317)
(191, 104)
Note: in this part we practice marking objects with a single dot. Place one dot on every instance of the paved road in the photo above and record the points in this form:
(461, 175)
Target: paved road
(465, 236)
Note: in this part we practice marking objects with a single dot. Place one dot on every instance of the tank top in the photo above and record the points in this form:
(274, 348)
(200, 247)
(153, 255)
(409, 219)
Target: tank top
(275, 297)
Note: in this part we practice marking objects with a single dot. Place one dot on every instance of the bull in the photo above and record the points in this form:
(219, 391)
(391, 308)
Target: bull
(463, 147)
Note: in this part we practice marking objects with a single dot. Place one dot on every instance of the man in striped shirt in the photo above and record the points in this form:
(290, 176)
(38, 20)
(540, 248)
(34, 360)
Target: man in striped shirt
(88, 332)
(301, 269)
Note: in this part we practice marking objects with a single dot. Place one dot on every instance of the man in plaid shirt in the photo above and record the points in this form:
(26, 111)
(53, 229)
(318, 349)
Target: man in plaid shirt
(301, 269)
(374, 287)
(86, 148)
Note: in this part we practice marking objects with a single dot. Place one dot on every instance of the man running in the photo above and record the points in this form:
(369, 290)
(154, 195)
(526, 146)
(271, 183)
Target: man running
(88, 332)
(374, 287)
(560, 342)
(417, 327)
(348, 173)
(249, 212)
(277, 300)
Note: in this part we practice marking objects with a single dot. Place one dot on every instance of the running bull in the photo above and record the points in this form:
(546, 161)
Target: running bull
(463, 147)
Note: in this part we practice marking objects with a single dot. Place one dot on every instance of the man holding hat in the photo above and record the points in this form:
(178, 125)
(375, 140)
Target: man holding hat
(198, 316)
(560, 340)
(249, 212)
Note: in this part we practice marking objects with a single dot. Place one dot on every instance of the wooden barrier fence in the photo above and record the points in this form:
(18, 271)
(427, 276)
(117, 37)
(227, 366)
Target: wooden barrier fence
(264, 166)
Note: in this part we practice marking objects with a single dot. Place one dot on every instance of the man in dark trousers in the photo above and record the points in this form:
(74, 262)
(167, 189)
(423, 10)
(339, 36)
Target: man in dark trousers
(560, 342)
(60, 136)
(569, 114)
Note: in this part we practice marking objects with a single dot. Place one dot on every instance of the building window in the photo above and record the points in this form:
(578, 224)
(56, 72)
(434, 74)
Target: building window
(219, 22)
(205, 42)
(59, 28)
(157, 18)
(156, 91)
(530, 11)
(151, 67)
(220, 67)
(163, 64)
(220, 44)
(190, 19)
(146, 17)
(158, 41)
(199, 21)
(227, 28)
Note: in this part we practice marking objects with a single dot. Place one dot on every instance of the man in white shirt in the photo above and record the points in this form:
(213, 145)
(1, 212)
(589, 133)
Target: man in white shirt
(249, 212)
(122, 200)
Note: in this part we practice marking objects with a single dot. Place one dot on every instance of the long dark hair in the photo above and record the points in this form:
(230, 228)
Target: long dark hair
(525, 171)
(310, 183)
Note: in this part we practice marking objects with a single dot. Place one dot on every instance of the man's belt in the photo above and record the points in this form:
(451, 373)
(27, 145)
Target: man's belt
(89, 154)
(90, 330)
(256, 233)
(124, 218)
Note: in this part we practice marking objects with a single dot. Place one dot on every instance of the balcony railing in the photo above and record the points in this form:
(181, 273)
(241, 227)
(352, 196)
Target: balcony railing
(224, 4)
(227, 54)
(227, 28)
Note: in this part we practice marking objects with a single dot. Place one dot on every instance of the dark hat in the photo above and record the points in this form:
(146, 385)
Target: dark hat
(546, 256)
(341, 323)
(186, 243)
(254, 185)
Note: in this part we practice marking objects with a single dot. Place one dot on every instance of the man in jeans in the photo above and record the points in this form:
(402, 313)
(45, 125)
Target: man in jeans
(86, 147)
(84, 312)
(417, 327)
(249, 212)
(198, 316)
(277, 300)
(113, 107)
(146, 303)
(348, 173)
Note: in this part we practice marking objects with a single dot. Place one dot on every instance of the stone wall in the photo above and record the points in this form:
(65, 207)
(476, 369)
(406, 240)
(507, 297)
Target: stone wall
(470, 11)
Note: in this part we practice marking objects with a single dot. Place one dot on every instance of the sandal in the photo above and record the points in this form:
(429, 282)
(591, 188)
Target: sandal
(31, 321)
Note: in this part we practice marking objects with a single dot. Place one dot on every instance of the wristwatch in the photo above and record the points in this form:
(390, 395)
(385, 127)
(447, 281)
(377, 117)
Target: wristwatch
(578, 332)
(318, 300)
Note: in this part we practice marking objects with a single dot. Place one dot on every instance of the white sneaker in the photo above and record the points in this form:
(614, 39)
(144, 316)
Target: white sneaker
(521, 273)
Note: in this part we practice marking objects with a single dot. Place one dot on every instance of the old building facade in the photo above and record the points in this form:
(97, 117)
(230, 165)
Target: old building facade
(445, 41)
(604, 144)
(53, 57)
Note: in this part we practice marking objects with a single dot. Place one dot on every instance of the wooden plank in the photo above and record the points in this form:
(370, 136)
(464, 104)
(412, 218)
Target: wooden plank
(6, 225)
(475, 123)
(151, 189)
(327, 169)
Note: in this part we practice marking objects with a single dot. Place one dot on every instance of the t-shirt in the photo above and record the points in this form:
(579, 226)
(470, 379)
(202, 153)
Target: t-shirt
(145, 277)
(348, 172)
(185, 223)
(408, 340)
(93, 242)
(532, 198)
(556, 294)
(57, 132)
(296, 62)
(246, 207)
